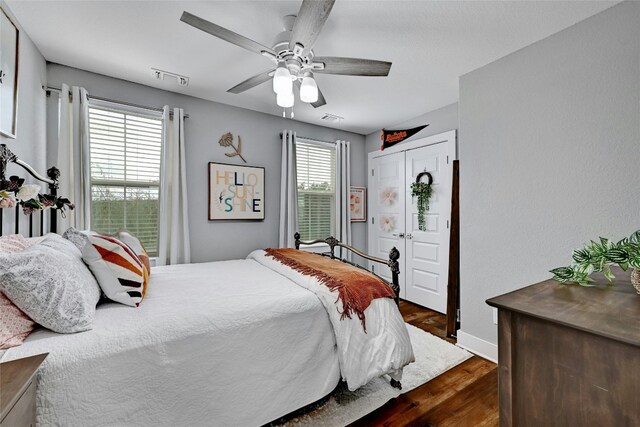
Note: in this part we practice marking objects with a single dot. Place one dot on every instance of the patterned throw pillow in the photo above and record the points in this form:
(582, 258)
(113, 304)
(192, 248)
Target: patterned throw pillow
(133, 242)
(15, 326)
(12, 243)
(120, 273)
(49, 282)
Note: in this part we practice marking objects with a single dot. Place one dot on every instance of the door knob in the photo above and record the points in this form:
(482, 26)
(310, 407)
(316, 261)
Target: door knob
(401, 235)
(409, 236)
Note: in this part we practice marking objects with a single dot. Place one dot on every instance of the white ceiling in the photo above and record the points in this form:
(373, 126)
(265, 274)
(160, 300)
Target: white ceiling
(430, 43)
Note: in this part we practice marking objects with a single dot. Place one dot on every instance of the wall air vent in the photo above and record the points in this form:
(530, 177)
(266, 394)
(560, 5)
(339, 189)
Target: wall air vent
(331, 118)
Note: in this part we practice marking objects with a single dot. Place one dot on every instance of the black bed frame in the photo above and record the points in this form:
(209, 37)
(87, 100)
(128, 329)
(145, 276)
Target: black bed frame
(52, 180)
(392, 262)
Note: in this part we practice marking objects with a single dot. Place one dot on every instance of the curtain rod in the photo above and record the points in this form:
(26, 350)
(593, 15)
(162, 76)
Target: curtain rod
(312, 139)
(50, 89)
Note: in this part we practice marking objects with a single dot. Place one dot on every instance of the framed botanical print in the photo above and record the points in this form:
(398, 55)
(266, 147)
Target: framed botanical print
(236, 192)
(358, 204)
(8, 75)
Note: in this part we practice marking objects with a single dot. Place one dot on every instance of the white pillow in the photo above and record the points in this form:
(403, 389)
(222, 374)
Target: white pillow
(77, 237)
(51, 284)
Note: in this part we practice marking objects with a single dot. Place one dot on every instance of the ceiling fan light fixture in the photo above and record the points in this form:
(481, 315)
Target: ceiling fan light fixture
(308, 89)
(282, 83)
(285, 100)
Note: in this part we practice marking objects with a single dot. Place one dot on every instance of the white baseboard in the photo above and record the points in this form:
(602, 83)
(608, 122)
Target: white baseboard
(475, 345)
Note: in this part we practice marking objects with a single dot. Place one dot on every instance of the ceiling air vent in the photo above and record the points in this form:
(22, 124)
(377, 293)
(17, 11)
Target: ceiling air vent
(331, 118)
(172, 77)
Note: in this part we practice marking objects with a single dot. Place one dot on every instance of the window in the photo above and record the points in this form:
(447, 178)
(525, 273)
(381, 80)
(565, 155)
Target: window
(125, 147)
(316, 175)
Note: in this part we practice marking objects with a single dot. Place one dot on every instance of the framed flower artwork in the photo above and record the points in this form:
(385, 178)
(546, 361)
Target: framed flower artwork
(358, 204)
(8, 75)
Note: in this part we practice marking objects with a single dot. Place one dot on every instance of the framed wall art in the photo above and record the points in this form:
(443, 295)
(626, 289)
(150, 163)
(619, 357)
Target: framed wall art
(358, 204)
(236, 192)
(8, 75)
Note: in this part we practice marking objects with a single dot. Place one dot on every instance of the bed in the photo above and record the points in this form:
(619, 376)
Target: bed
(240, 342)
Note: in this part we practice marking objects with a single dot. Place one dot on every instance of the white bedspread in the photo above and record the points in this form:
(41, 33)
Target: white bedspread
(384, 349)
(213, 344)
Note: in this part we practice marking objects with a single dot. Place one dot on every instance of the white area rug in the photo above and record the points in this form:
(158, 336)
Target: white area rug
(433, 357)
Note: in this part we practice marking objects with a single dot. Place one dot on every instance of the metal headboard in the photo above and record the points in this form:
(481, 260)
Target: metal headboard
(392, 262)
(53, 175)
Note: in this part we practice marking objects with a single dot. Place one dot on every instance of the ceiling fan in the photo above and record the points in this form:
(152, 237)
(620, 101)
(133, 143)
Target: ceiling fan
(292, 54)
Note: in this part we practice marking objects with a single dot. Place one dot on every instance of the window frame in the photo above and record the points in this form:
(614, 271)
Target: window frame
(126, 109)
(333, 193)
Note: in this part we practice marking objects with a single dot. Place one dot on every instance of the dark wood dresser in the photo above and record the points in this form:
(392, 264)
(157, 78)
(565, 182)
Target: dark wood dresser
(569, 355)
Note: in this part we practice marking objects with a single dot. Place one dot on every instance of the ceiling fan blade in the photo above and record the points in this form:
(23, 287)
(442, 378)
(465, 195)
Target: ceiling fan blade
(352, 66)
(254, 81)
(309, 22)
(224, 34)
(321, 101)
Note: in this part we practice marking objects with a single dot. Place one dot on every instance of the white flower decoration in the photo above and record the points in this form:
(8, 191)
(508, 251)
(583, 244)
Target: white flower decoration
(388, 196)
(28, 192)
(387, 223)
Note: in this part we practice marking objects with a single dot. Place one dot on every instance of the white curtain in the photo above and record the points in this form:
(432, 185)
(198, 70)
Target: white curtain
(343, 184)
(173, 243)
(73, 157)
(288, 191)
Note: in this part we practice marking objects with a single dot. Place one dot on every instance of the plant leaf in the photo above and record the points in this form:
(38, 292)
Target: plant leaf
(562, 274)
(239, 150)
(608, 274)
(581, 256)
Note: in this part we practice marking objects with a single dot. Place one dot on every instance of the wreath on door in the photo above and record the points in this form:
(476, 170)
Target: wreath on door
(423, 191)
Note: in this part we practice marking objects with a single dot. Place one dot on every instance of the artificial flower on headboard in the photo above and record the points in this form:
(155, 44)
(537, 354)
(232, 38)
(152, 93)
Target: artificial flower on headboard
(14, 192)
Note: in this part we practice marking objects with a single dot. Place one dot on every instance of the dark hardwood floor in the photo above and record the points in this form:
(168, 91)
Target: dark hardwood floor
(466, 395)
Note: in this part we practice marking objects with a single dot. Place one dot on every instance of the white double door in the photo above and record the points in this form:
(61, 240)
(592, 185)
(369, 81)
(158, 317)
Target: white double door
(424, 255)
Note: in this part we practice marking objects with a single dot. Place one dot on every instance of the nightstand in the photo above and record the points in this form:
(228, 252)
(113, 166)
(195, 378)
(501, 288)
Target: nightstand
(18, 391)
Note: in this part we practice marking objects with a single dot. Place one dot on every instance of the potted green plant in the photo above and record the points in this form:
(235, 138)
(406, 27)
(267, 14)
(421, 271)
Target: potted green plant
(600, 256)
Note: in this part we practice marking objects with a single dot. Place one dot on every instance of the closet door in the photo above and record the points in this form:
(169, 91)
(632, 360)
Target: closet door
(427, 252)
(387, 211)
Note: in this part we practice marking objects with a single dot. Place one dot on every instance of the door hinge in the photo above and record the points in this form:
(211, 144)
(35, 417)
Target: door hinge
(447, 159)
(458, 315)
(373, 172)
(373, 268)
(447, 224)
(373, 220)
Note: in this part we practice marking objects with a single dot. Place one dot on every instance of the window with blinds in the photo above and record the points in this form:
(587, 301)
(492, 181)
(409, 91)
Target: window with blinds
(125, 149)
(316, 175)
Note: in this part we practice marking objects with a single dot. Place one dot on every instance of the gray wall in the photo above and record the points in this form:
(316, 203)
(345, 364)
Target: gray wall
(549, 145)
(440, 120)
(30, 142)
(207, 122)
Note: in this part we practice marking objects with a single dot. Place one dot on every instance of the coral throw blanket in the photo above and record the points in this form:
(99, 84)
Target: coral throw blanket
(356, 287)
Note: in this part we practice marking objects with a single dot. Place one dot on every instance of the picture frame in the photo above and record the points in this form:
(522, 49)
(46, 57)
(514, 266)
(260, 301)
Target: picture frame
(358, 204)
(236, 192)
(9, 59)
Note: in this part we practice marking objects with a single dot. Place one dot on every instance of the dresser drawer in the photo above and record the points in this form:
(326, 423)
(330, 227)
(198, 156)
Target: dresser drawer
(23, 413)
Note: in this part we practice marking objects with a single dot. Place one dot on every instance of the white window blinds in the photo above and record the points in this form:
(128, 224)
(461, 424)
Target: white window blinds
(125, 151)
(316, 176)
